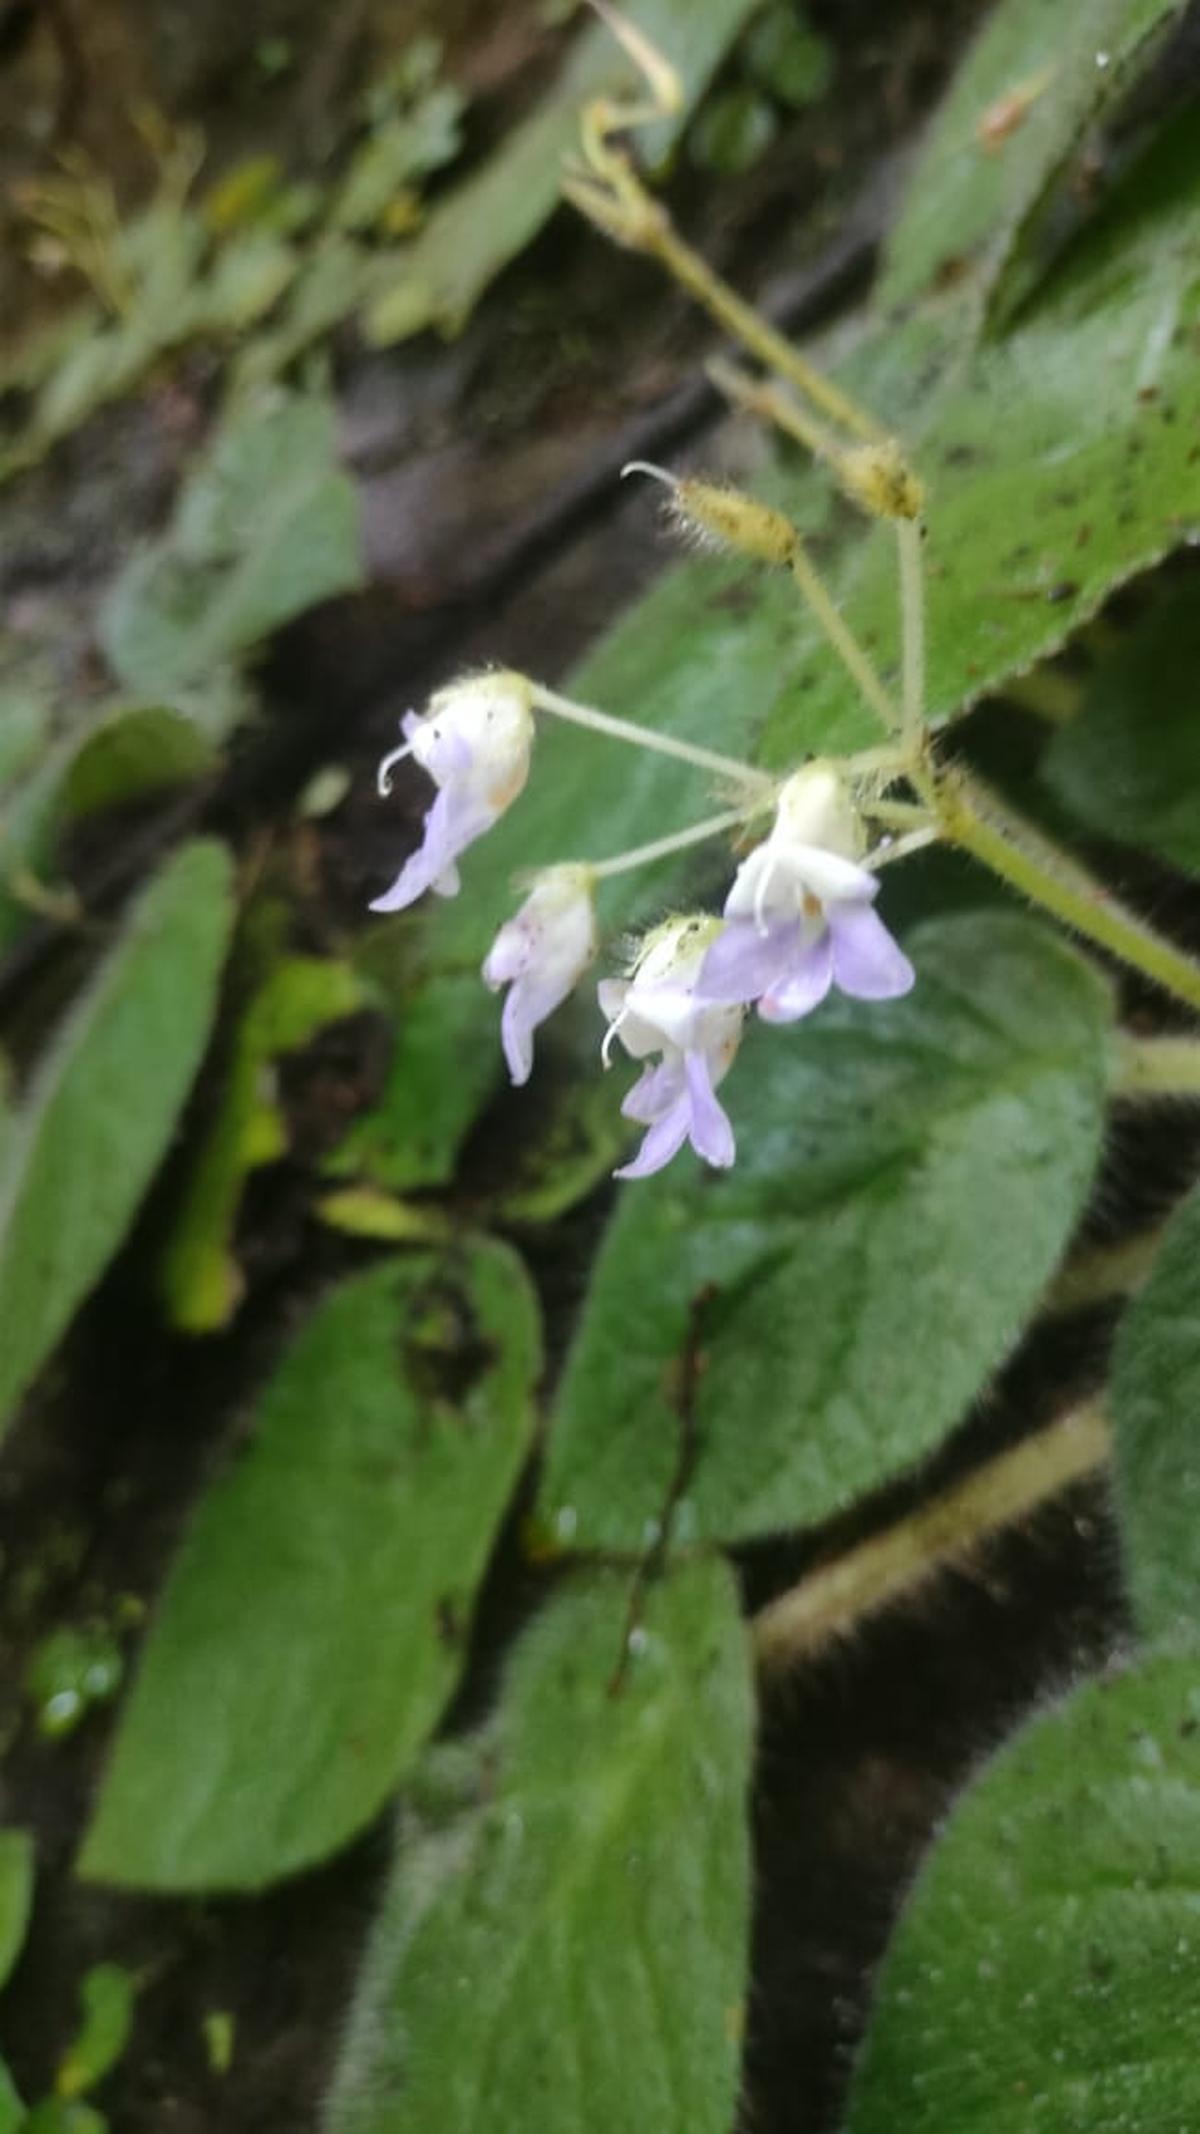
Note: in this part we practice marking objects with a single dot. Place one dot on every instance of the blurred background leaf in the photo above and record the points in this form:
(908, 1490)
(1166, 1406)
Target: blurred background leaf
(315, 1621)
(92, 1127)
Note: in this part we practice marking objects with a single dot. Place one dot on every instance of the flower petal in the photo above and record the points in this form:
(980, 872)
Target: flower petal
(518, 1021)
(866, 961)
(830, 877)
(743, 963)
(450, 826)
(654, 1092)
(805, 986)
(664, 1140)
(709, 1130)
(508, 956)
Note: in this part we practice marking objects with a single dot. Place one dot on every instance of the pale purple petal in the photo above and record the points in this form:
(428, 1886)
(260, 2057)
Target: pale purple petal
(508, 955)
(807, 982)
(654, 1092)
(518, 1021)
(866, 961)
(745, 962)
(451, 824)
(709, 1132)
(664, 1140)
(531, 998)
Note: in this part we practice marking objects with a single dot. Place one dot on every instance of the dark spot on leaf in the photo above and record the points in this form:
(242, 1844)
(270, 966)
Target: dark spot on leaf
(443, 1353)
(963, 455)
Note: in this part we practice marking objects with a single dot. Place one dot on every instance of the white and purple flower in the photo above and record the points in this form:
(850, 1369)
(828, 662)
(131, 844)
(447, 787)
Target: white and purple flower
(540, 954)
(475, 742)
(800, 916)
(656, 1009)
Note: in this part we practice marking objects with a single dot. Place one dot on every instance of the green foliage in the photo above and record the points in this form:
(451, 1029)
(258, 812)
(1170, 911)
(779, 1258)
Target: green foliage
(1128, 763)
(108, 1996)
(839, 1297)
(1016, 113)
(267, 526)
(164, 283)
(13, 2119)
(414, 122)
(444, 1064)
(1155, 1403)
(1056, 461)
(61, 2115)
(564, 1952)
(732, 131)
(69, 1673)
(314, 1623)
(787, 57)
(98, 1115)
(496, 212)
(123, 755)
(201, 1280)
(1046, 1971)
(16, 1900)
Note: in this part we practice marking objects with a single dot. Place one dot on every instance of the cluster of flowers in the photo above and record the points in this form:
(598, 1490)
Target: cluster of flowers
(798, 919)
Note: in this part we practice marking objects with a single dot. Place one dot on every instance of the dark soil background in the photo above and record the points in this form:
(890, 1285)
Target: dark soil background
(495, 528)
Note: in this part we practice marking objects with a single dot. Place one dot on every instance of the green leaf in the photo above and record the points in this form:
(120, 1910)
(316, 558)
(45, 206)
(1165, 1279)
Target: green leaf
(13, 2119)
(491, 217)
(405, 145)
(123, 755)
(24, 729)
(1128, 763)
(132, 751)
(108, 1998)
(444, 1064)
(1155, 1397)
(16, 1898)
(566, 1954)
(99, 1113)
(202, 1284)
(314, 1623)
(907, 1178)
(1035, 67)
(266, 527)
(788, 58)
(732, 131)
(1057, 465)
(1047, 1969)
(59, 2115)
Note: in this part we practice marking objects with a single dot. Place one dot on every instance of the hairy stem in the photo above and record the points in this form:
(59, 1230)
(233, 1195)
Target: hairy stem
(835, 1598)
(912, 625)
(661, 847)
(841, 637)
(739, 318)
(1156, 1066)
(973, 818)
